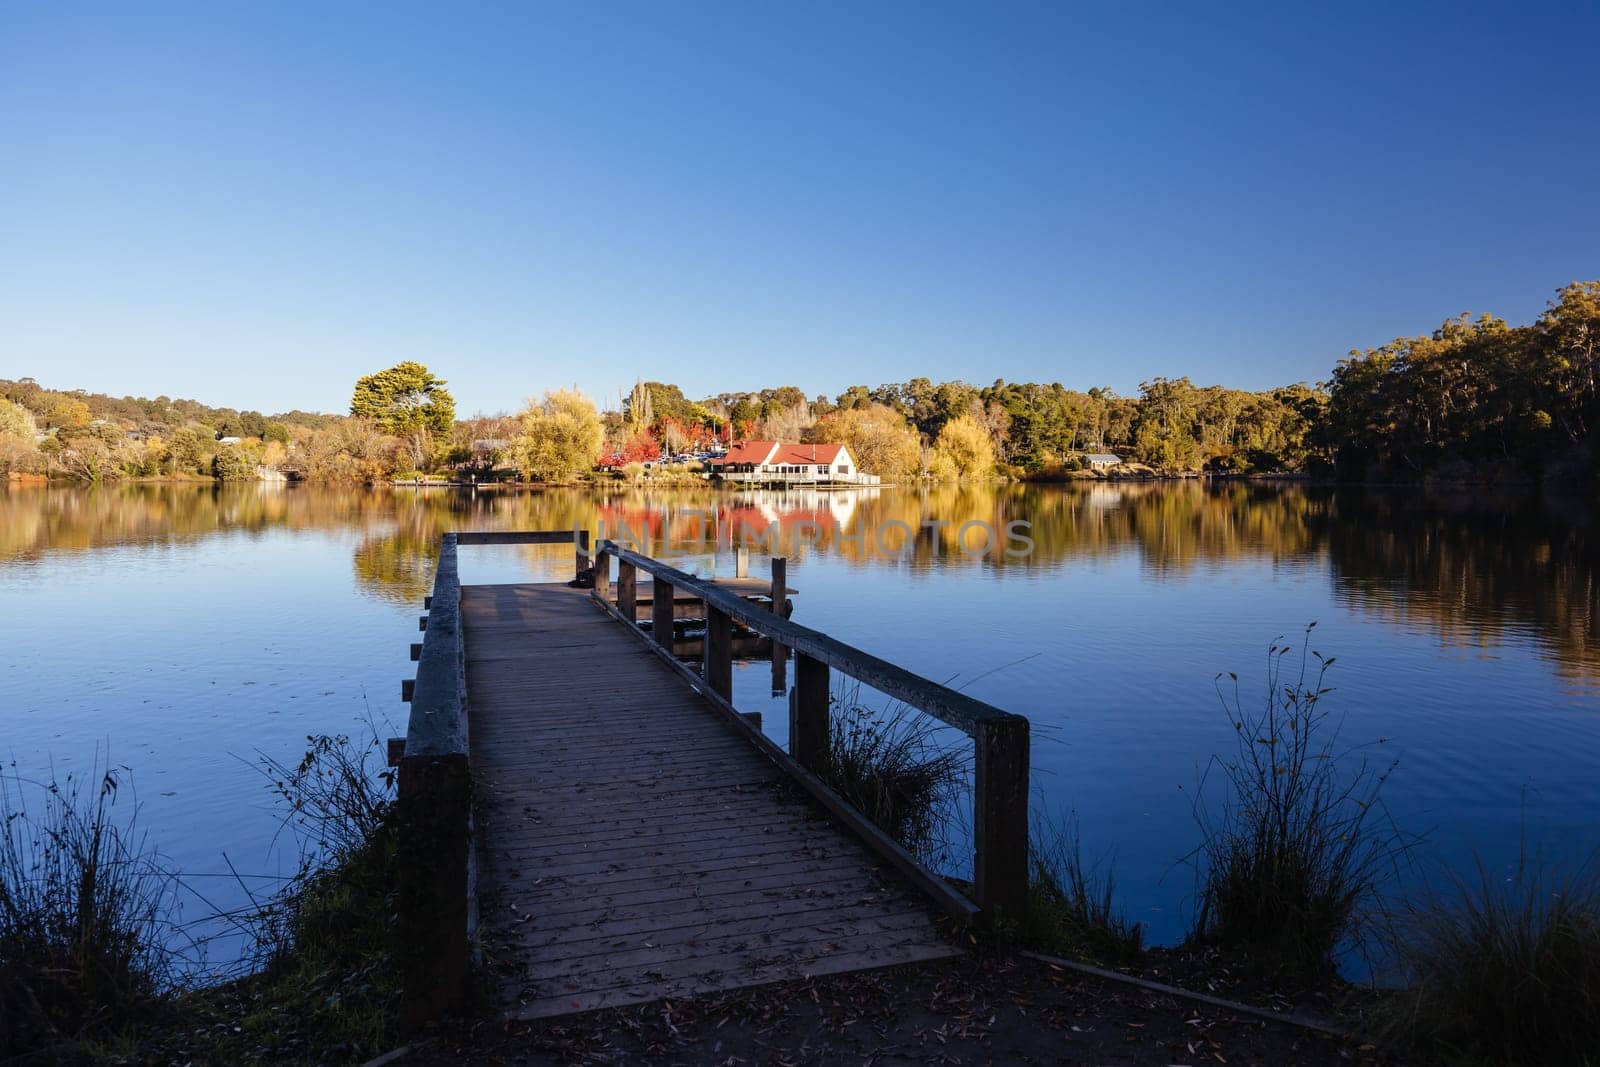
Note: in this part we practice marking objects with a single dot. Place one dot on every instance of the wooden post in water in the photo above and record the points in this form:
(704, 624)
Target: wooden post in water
(627, 589)
(1000, 823)
(718, 669)
(661, 612)
(808, 712)
(780, 654)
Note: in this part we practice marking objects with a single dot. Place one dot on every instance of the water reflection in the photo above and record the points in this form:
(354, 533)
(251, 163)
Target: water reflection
(1468, 567)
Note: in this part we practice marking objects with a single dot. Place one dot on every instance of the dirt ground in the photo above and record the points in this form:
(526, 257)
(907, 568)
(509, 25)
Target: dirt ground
(969, 1010)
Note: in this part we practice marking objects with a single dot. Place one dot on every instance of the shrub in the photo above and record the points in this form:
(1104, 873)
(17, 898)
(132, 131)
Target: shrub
(1301, 845)
(1506, 971)
(83, 929)
(230, 464)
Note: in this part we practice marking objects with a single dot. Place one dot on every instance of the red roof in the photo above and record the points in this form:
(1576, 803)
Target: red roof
(807, 454)
(749, 452)
(758, 452)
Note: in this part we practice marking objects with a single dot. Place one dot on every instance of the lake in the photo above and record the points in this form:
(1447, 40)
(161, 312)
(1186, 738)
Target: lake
(183, 630)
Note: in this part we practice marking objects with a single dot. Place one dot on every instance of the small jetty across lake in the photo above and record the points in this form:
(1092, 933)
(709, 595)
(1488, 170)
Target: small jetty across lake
(595, 819)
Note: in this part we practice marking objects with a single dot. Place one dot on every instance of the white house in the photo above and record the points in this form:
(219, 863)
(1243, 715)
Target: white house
(776, 462)
(1099, 461)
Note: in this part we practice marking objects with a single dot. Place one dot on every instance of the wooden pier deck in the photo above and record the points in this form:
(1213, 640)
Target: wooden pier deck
(609, 829)
(633, 846)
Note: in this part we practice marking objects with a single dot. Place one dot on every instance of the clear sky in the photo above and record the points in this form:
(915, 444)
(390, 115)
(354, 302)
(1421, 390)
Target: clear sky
(253, 204)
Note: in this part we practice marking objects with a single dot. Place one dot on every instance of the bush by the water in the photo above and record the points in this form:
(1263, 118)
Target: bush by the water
(325, 940)
(1505, 970)
(892, 768)
(1071, 909)
(87, 927)
(1302, 844)
(85, 909)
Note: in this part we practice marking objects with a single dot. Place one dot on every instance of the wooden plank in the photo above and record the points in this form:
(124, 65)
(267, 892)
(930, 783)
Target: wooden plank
(815, 931)
(714, 977)
(554, 856)
(571, 941)
(514, 537)
(706, 876)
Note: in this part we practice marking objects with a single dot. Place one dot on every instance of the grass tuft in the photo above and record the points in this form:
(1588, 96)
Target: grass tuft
(1505, 970)
(1302, 844)
(1070, 904)
(892, 766)
(84, 902)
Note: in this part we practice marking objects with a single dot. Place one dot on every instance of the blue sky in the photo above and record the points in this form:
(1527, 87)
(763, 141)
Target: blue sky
(255, 204)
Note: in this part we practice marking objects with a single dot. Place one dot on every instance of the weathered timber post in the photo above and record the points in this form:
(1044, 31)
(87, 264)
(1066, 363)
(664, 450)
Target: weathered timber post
(582, 538)
(602, 575)
(627, 589)
(718, 667)
(431, 852)
(808, 712)
(780, 654)
(1000, 823)
(661, 612)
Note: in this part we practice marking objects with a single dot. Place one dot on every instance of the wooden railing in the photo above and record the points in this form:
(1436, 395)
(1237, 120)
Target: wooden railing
(437, 909)
(1001, 739)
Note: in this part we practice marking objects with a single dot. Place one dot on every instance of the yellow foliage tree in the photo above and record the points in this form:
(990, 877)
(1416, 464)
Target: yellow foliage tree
(560, 437)
(878, 437)
(963, 449)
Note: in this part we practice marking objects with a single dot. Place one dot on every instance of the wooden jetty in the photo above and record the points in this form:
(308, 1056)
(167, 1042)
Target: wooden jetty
(600, 820)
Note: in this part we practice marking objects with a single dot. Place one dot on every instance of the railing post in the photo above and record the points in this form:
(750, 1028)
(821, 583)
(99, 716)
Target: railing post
(602, 574)
(661, 612)
(780, 655)
(1000, 819)
(718, 665)
(808, 712)
(627, 589)
(582, 538)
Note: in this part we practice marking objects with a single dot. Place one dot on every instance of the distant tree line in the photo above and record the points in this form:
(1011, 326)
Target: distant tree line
(1476, 399)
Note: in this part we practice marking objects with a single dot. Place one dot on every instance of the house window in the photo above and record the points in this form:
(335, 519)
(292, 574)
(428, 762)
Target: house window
(822, 469)
(844, 468)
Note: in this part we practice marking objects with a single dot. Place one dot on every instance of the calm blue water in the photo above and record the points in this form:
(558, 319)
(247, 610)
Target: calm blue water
(186, 630)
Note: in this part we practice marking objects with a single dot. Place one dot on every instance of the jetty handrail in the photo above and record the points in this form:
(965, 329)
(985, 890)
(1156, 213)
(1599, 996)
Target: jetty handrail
(1001, 739)
(578, 537)
(436, 906)
(949, 706)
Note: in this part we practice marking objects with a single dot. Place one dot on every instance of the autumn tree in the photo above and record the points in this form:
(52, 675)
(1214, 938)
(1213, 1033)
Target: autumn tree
(18, 434)
(560, 437)
(963, 449)
(877, 436)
